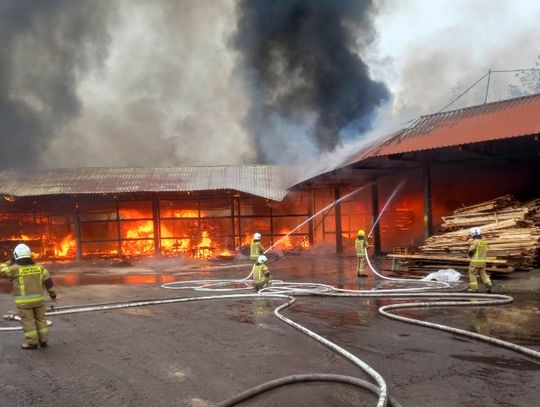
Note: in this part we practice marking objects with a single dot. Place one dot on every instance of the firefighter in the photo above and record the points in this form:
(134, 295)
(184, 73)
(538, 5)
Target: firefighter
(29, 279)
(477, 252)
(361, 245)
(256, 248)
(261, 274)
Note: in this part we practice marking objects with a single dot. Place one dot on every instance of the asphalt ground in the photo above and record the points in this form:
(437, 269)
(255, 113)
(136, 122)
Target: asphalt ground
(200, 353)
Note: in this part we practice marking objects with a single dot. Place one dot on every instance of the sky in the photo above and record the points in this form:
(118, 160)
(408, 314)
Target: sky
(219, 82)
(427, 49)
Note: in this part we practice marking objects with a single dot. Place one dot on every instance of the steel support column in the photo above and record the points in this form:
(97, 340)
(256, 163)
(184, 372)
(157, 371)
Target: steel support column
(311, 230)
(337, 216)
(78, 233)
(428, 217)
(156, 214)
(375, 216)
(118, 229)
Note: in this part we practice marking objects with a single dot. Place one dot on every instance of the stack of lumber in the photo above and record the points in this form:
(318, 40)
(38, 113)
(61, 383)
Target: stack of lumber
(511, 229)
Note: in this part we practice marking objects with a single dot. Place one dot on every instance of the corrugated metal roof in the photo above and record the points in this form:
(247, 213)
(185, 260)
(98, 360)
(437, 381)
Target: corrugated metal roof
(493, 121)
(261, 180)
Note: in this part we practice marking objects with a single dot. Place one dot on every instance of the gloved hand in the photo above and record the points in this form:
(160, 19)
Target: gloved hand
(266, 273)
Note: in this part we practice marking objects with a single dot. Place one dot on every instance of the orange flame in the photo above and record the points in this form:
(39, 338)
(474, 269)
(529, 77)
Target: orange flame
(139, 247)
(184, 213)
(66, 247)
(205, 239)
(204, 250)
(284, 242)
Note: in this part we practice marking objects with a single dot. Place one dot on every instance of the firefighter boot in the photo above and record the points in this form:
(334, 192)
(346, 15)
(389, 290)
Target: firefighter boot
(43, 344)
(27, 346)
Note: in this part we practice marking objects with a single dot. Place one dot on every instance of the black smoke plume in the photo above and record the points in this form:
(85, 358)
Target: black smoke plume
(303, 62)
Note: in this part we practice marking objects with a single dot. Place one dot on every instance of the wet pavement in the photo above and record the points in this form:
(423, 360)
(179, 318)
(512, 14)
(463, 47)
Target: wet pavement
(197, 354)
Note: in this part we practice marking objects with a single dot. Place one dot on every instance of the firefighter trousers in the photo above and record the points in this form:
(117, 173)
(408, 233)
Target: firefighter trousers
(361, 265)
(474, 271)
(266, 282)
(34, 324)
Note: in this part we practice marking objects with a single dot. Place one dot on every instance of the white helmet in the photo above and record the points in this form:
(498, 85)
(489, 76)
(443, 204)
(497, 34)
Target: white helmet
(475, 231)
(261, 259)
(22, 251)
(256, 236)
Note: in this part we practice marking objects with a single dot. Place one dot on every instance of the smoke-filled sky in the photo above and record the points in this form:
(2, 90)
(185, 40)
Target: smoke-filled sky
(210, 82)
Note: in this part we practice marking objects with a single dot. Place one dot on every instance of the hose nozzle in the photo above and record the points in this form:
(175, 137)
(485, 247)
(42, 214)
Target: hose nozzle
(10, 316)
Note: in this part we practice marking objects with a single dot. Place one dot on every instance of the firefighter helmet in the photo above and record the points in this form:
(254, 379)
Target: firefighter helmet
(476, 231)
(361, 232)
(256, 236)
(22, 251)
(261, 259)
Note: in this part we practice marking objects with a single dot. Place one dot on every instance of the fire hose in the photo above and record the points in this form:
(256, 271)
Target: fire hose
(288, 291)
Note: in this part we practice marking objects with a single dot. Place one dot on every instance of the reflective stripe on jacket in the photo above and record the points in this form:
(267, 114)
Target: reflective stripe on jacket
(255, 250)
(479, 249)
(361, 244)
(258, 273)
(28, 283)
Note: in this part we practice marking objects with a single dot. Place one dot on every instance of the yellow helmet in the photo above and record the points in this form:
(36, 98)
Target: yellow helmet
(361, 232)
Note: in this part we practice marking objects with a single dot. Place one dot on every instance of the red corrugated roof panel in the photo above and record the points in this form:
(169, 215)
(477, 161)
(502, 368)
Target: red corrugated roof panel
(492, 121)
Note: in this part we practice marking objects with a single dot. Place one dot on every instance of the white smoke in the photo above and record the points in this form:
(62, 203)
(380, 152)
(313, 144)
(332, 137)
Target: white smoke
(428, 52)
(165, 95)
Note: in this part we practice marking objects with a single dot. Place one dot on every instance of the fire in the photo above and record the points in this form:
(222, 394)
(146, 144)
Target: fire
(204, 249)
(205, 240)
(184, 213)
(146, 230)
(226, 254)
(247, 240)
(139, 247)
(65, 247)
(24, 237)
(181, 232)
(284, 243)
(176, 246)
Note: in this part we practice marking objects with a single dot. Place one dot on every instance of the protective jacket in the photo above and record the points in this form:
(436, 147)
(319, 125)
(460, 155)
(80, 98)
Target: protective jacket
(261, 274)
(28, 281)
(478, 252)
(256, 250)
(361, 244)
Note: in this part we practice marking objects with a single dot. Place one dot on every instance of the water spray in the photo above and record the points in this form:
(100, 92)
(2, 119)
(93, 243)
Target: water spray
(317, 214)
(287, 291)
(385, 206)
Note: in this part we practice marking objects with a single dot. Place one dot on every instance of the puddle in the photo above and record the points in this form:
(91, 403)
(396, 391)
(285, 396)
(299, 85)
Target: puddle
(504, 363)
(518, 322)
(250, 311)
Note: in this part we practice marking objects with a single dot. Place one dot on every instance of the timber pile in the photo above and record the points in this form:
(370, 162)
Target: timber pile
(511, 229)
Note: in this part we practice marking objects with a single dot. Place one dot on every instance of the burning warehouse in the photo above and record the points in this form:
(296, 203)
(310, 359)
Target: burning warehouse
(438, 164)
(441, 162)
(145, 145)
(200, 212)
